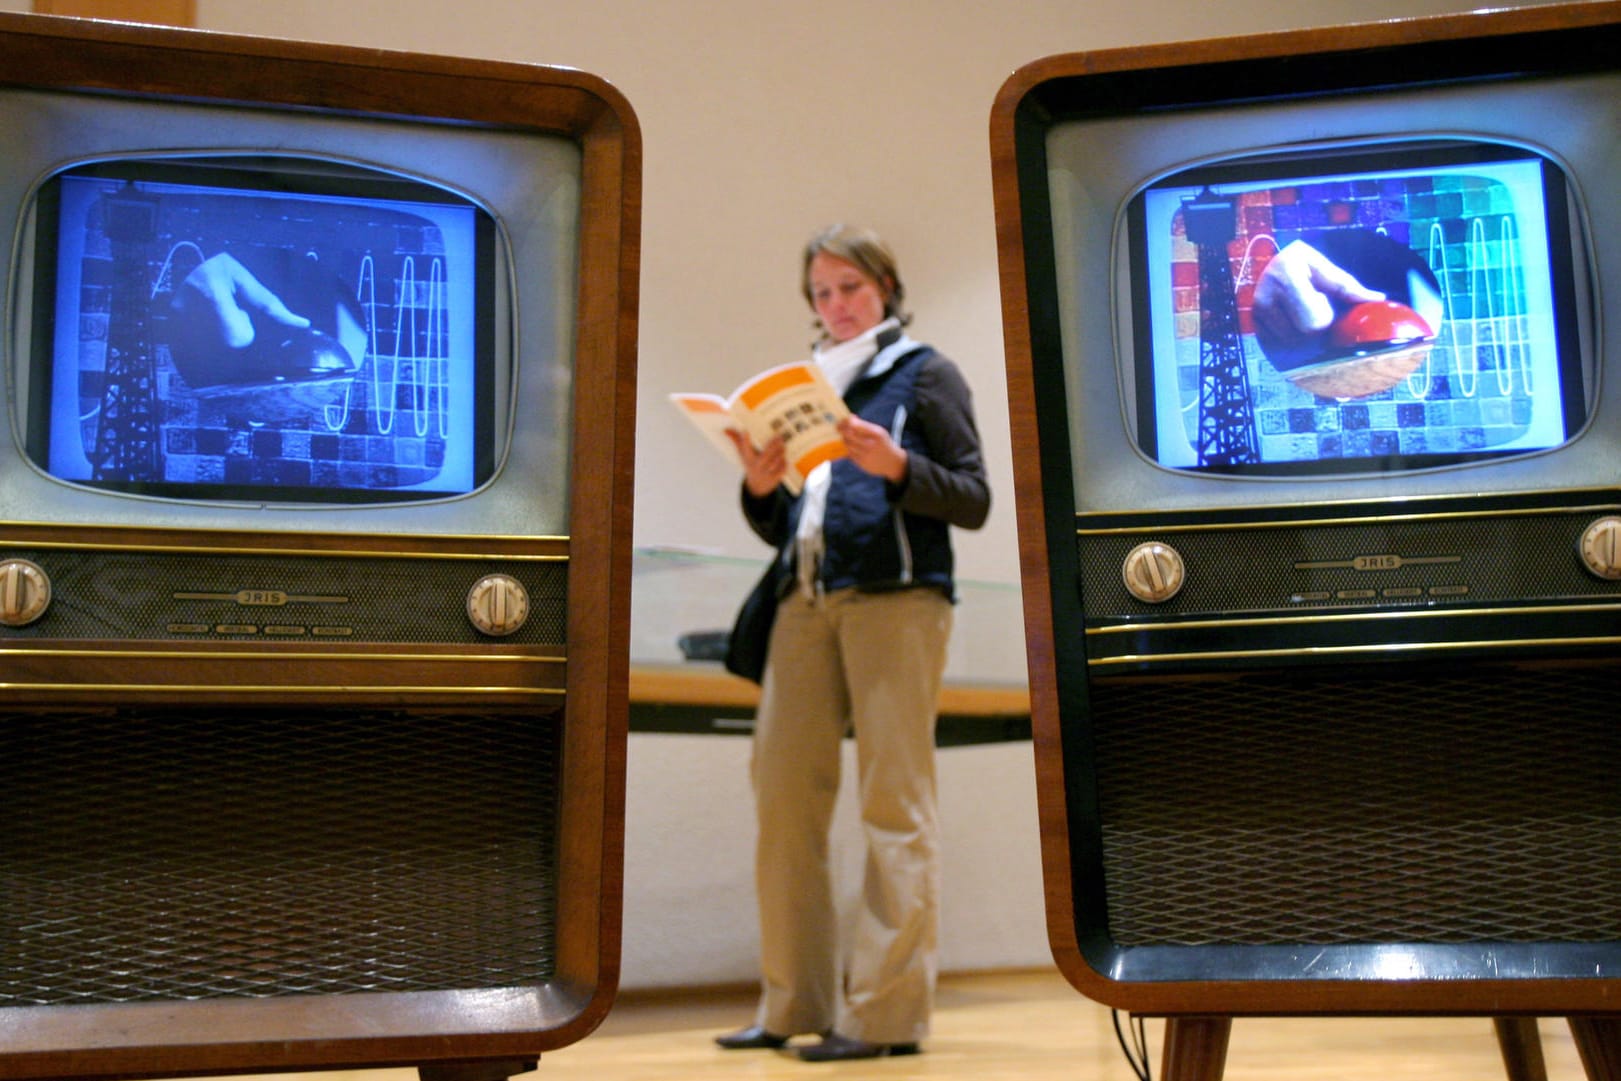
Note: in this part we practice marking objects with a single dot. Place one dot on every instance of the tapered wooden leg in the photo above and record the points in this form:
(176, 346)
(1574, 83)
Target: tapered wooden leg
(1195, 1048)
(1522, 1048)
(1598, 1042)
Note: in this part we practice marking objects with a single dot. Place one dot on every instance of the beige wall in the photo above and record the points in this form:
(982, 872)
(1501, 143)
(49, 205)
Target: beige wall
(763, 120)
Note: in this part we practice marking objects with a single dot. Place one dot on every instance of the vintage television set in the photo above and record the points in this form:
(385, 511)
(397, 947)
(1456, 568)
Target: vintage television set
(1315, 376)
(314, 553)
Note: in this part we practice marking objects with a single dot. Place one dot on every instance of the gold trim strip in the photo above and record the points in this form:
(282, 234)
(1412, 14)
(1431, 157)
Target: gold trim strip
(289, 598)
(178, 654)
(1330, 651)
(347, 689)
(197, 549)
(1351, 564)
(216, 531)
(1347, 617)
(1380, 519)
(1603, 493)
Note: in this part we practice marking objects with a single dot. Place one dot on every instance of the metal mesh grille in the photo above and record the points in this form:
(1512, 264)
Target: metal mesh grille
(1501, 560)
(1361, 807)
(185, 856)
(125, 595)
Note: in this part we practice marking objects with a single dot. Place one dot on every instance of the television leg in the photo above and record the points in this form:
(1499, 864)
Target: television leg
(1598, 1042)
(1195, 1048)
(487, 1070)
(1521, 1045)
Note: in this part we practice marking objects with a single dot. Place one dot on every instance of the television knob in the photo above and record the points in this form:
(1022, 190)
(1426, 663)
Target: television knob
(1600, 547)
(1153, 572)
(25, 592)
(498, 605)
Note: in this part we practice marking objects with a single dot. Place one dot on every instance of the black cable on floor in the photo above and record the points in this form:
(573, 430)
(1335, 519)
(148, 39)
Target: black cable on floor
(1137, 1050)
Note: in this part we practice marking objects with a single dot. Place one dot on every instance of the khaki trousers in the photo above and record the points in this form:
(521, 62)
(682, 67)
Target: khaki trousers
(872, 661)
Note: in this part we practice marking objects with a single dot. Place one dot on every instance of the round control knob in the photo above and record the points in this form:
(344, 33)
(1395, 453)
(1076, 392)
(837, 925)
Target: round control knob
(498, 605)
(1600, 547)
(25, 592)
(1153, 572)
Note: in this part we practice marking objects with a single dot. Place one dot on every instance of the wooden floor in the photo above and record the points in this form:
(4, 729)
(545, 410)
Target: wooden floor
(1029, 1026)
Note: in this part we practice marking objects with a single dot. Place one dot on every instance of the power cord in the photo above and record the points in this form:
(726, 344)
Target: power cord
(1136, 1049)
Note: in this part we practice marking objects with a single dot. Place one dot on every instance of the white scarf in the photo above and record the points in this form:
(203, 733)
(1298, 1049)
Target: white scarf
(842, 363)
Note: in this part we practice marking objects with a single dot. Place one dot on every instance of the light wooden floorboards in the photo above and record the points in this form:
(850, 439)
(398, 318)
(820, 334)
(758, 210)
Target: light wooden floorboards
(1029, 1026)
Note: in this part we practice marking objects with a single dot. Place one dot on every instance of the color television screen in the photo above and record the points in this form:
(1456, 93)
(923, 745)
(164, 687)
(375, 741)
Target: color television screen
(1393, 307)
(282, 330)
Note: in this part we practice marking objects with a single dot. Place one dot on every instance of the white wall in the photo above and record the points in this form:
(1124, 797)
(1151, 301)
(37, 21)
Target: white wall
(763, 120)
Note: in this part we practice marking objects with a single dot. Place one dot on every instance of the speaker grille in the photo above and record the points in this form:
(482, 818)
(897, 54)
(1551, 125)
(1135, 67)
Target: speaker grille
(1500, 560)
(141, 595)
(198, 855)
(1361, 806)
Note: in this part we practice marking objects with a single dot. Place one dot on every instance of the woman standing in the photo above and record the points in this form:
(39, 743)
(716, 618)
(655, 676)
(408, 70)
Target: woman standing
(859, 642)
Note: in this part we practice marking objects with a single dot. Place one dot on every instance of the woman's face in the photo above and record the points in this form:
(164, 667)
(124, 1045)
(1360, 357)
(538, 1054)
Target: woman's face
(847, 301)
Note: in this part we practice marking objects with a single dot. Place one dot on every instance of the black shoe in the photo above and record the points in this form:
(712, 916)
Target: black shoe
(836, 1048)
(752, 1038)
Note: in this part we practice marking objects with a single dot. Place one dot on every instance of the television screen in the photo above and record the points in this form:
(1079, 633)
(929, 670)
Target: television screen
(282, 330)
(1381, 308)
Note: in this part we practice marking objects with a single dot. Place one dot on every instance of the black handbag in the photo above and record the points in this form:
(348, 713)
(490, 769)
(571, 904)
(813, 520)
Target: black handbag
(751, 631)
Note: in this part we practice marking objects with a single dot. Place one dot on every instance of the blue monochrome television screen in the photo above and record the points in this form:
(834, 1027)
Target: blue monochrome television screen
(1394, 307)
(281, 330)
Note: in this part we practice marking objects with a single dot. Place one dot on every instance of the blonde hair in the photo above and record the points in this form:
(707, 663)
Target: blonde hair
(864, 250)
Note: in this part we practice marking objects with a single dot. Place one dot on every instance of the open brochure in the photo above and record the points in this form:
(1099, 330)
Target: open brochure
(795, 400)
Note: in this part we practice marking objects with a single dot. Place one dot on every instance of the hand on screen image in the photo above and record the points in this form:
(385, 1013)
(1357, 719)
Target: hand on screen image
(1300, 294)
(230, 328)
(231, 292)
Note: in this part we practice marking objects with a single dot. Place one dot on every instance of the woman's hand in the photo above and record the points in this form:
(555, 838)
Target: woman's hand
(763, 469)
(872, 449)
